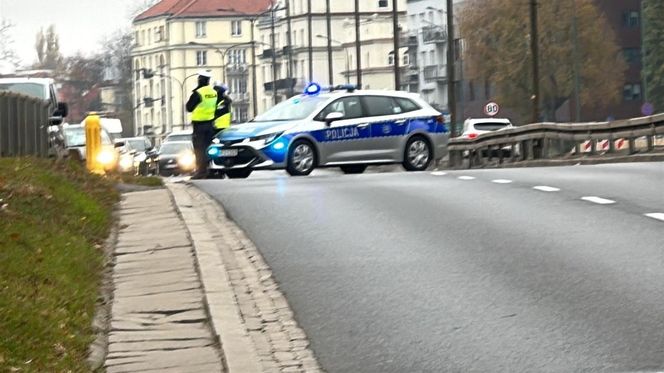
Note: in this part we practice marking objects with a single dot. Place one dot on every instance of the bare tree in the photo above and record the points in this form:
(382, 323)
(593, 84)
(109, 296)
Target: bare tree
(8, 55)
(47, 45)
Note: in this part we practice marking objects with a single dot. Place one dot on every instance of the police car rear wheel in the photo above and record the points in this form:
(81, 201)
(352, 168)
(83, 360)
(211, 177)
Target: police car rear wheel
(239, 174)
(418, 154)
(301, 159)
(353, 169)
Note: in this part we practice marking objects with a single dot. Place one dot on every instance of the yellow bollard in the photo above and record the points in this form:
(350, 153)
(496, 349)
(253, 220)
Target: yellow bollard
(93, 143)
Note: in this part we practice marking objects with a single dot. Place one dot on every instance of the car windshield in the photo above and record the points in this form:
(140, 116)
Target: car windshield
(182, 137)
(175, 147)
(75, 136)
(296, 108)
(490, 126)
(137, 144)
(28, 89)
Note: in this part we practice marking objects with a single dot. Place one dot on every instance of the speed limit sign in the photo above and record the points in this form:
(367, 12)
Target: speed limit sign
(491, 109)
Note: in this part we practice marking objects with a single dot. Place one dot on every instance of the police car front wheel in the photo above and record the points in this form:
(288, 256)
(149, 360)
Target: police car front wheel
(301, 158)
(418, 154)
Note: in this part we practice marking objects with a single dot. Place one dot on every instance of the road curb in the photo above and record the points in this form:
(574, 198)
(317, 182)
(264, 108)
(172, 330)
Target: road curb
(255, 325)
(583, 161)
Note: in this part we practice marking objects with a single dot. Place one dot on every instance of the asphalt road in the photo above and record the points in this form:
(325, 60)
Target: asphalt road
(468, 271)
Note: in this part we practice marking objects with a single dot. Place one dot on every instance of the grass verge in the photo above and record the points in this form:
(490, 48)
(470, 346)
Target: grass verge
(54, 218)
(149, 181)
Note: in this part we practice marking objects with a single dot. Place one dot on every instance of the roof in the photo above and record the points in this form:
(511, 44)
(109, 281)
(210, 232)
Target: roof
(204, 8)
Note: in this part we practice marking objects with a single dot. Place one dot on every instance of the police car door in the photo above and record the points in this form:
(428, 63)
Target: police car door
(343, 140)
(389, 126)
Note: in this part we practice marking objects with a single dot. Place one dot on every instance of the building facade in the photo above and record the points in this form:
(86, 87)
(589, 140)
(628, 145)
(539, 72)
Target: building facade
(302, 24)
(174, 40)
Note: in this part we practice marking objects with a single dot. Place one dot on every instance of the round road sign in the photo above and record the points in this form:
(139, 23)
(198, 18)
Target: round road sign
(647, 109)
(491, 109)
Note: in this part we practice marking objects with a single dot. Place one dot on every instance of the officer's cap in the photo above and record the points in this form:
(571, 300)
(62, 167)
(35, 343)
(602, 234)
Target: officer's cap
(205, 74)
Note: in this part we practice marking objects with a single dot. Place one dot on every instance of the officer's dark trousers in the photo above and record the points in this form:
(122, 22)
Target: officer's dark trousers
(202, 138)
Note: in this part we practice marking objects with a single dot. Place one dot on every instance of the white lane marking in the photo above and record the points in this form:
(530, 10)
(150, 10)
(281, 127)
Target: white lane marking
(501, 181)
(439, 173)
(466, 178)
(656, 215)
(545, 188)
(598, 200)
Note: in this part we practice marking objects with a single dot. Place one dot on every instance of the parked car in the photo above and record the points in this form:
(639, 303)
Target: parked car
(178, 136)
(344, 128)
(72, 146)
(137, 155)
(474, 127)
(44, 89)
(176, 158)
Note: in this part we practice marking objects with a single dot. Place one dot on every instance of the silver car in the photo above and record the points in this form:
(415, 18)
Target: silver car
(344, 128)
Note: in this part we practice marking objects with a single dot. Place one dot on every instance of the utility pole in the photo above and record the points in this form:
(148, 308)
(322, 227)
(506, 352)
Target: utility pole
(311, 39)
(328, 20)
(397, 35)
(644, 76)
(534, 49)
(289, 40)
(274, 55)
(358, 47)
(577, 71)
(451, 79)
(254, 88)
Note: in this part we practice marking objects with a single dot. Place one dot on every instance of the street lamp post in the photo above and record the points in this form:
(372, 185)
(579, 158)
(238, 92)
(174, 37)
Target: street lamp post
(347, 56)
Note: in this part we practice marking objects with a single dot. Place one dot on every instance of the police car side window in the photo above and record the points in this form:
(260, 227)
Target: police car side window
(407, 104)
(350, 107)
(381, 105)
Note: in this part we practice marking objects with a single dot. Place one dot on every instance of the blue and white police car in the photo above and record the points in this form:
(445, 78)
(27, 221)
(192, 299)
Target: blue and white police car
(339, 127)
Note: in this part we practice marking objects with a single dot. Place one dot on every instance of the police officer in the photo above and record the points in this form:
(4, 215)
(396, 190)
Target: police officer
(202, 105)
(223, 113)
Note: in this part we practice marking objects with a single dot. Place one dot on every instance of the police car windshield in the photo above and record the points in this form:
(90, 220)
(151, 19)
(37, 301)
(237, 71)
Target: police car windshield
(296, 108)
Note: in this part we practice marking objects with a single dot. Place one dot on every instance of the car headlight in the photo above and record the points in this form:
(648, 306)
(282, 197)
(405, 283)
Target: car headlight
(126, 162)
(105, 157)
(267, 139)
(187, 160)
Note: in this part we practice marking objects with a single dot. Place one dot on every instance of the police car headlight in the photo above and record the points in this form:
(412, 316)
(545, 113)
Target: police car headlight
(267, 139)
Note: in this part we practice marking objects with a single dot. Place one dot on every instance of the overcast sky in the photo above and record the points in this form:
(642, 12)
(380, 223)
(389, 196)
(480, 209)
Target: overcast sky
(81, 24)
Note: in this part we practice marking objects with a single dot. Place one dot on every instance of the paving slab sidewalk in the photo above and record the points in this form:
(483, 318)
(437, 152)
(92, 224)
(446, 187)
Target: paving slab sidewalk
(249, 313)
(159, 321)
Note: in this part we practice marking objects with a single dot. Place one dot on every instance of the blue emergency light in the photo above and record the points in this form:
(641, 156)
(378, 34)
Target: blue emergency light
(312, 89)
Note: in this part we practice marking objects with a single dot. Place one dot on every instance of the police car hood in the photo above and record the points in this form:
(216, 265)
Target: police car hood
(253, 129)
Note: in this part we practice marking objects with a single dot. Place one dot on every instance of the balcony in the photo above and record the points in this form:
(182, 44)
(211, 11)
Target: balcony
(434, 35)
(412, 40)
(435, 72)
(237, 69)
(287, 83)
(239, 97)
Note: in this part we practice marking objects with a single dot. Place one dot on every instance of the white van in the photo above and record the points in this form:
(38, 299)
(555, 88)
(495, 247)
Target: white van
(42, 88)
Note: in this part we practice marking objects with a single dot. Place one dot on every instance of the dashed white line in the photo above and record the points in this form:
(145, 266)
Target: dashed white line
(598, 200)
(501, 181)
(466, 178)
(544, 188)
(656, 215)
(439, 173)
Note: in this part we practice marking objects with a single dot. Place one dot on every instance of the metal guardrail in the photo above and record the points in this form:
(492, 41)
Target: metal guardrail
(24, 125)
(552, 141)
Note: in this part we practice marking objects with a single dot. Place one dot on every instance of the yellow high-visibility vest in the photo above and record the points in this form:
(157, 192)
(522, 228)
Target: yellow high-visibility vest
(223, 121)
(205, 109)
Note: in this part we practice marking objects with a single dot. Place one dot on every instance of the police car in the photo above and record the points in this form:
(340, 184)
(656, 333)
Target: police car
(339, 127)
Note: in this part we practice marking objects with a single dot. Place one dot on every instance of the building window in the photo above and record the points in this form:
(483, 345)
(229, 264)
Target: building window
(405, 59)
(137, 39)
(142, 37)
(382, 3)
(201, 58)
(632, 92)
(632, 19)
(201, 29)
(236, 28)
(632, 55)
(390, 58)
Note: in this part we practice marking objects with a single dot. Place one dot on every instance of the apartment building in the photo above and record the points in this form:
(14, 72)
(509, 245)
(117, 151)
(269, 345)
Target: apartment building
(302, 24)
(174, 40)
